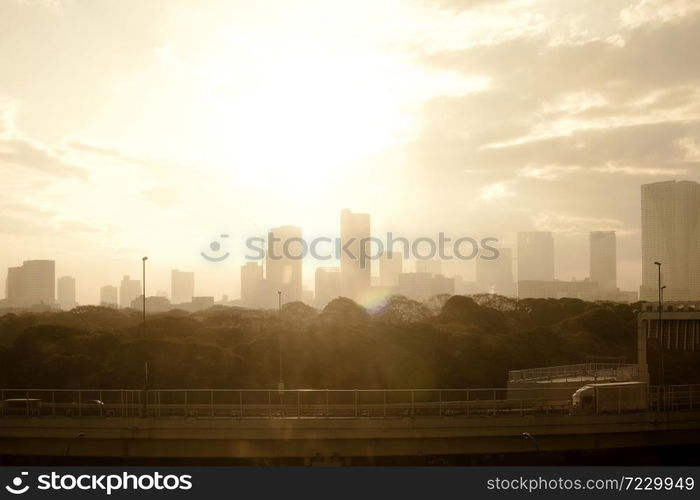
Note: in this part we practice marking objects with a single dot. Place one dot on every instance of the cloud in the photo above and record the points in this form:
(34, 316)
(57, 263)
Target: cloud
(31, 154)
(656, 11)
(496, 191)
(16, 148)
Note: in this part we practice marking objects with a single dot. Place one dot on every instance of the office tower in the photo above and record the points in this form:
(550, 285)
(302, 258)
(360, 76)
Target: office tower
(535, 256)
(328, 285)
(671, 235)
(433, 266)
(284, 263)
(128, 290)
(355, 265)
(13, 286)
(251, 284)
(496, 276)
(181, 286)
(34, 283)
(65, 292)
(390, 266)
(109, 296)
(603, 248)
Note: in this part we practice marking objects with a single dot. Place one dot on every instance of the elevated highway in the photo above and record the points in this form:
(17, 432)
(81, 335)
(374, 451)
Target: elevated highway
(318, 424)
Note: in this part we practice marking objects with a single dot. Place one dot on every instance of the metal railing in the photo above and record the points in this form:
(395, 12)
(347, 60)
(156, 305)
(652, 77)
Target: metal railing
(592, 371)
(306, 404)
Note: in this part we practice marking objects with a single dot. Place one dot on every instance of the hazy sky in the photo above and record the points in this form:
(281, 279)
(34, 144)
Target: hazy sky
(132, 128)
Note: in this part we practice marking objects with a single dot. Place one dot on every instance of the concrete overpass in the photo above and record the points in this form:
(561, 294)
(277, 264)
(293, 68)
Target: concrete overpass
(276, 435)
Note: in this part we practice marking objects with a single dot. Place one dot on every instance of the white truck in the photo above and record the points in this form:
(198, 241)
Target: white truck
(614, 397)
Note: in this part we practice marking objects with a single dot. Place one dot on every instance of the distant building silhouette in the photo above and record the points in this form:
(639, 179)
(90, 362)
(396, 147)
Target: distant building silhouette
(535, 256)
(154, 304)
(128, 290)
(496, 276)
(671, 235)
(416, 286)
(390, 266)
(14, 291)
(202, 303)
(65, 292)
(32, 284)
(603, 250)
(422, 286)
(251, 284)
(181, 286)
(442, 285)
(328, 285)
(355, 268)
(463, 287)
(433, 266)
(283, 269)
(109, 296)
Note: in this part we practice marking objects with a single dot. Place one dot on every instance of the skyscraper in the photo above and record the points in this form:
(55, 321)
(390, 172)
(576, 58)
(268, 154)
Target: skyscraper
(181, 287)
(603, 248)
(109, 296)
(355, 266)
(34, 283)
(535, 256)
(496, 276)
(251, 284)
(128, 290)
(13, 286)
(390, 266)
(284, 263)
(65, 292)
(671, 235)
(328, 285)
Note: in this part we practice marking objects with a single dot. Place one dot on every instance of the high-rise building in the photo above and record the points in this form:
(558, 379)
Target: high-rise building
(603, 248)
(65, 292)
(671, 236)
(496, 275)
(13, 286)
(251, 284)
(128, 290)
(284, 263)
(355, 264)
(109, 296)
(181, 287)
(328, 285)
(390, 266)
(32, 284)
(535, 256)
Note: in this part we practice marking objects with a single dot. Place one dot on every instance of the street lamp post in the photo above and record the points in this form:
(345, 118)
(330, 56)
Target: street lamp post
(280, 385)
(660, 334)
(145, 365)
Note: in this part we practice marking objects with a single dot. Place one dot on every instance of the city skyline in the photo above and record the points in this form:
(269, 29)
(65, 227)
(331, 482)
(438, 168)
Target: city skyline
(671, 233)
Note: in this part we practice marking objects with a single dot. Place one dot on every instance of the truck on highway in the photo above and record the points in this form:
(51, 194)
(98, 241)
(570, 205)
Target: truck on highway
(614, 397)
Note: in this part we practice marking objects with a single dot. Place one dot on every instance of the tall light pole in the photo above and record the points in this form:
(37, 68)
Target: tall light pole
(280, 385)
(145, 366)
(660, 333)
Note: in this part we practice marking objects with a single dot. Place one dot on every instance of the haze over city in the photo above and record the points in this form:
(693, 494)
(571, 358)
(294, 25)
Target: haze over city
(471, 118)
